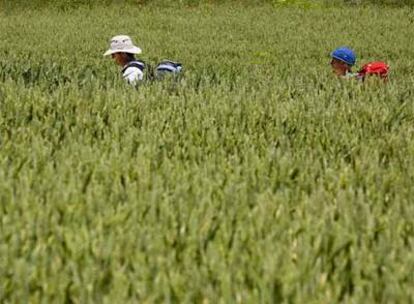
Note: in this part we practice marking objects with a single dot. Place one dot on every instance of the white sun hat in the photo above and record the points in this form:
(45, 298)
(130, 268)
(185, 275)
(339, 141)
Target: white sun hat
(122, 44)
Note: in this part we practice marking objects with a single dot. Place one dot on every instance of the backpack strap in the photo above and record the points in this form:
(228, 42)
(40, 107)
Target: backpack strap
(135, 64)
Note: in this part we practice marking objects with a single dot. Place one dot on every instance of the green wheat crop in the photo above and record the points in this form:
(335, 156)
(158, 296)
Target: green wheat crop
(258, 177)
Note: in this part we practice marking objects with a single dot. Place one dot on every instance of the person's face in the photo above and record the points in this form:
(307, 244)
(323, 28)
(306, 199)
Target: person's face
(120, 58)
(339, 67)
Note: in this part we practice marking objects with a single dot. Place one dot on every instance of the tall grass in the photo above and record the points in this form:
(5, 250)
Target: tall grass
(258, 178)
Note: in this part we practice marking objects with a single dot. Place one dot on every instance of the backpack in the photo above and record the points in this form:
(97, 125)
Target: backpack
(378, 68)
(167, 67)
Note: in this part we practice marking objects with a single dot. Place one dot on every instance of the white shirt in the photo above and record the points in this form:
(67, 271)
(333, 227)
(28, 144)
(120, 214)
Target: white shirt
(133, 75)
(350, 75)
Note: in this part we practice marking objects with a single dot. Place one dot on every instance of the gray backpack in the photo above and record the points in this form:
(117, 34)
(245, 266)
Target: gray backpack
(168, 67)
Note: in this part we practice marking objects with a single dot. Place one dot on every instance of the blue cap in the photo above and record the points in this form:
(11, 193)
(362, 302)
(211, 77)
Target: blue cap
(344, 54)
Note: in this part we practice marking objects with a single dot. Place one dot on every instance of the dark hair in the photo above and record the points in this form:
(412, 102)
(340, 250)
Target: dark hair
(131, 57)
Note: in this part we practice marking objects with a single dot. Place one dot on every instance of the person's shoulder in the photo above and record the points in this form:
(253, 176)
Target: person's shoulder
(350, 75)
(133, 74)
(138, 64)
(132, 69)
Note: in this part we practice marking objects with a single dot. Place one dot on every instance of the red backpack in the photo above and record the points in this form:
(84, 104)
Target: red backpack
(377, 68)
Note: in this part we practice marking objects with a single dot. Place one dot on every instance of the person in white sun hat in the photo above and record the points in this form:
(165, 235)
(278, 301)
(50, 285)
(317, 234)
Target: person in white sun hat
(123, 51)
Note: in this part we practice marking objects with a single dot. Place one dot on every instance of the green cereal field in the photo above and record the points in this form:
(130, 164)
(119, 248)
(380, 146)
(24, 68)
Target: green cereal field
(256, 177)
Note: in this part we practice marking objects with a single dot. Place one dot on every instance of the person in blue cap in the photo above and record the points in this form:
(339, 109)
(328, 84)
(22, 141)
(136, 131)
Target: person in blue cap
(343, 59)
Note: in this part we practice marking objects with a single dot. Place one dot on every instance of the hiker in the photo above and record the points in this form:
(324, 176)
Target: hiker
(123, 51)
(343, 59)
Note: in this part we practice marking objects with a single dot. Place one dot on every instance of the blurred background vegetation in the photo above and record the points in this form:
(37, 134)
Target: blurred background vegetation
(70, 4)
